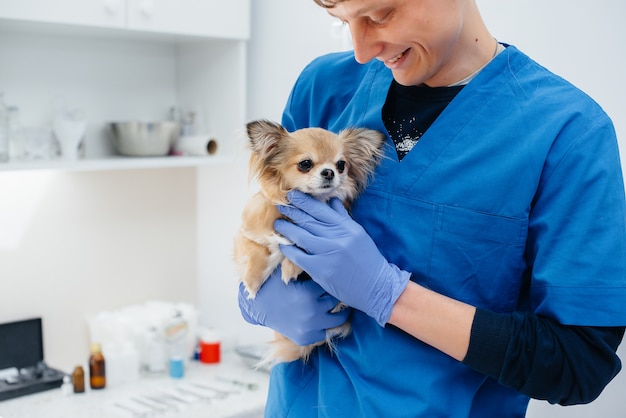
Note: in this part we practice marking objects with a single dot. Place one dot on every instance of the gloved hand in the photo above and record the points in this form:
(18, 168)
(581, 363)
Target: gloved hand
(299, 310)
(339, 255)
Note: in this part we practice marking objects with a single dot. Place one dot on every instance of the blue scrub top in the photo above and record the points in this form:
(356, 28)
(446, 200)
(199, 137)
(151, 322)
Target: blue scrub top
(512, 200)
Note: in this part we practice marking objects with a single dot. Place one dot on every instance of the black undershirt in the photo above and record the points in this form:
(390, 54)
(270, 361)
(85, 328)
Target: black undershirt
(537, 356)
(410, 110)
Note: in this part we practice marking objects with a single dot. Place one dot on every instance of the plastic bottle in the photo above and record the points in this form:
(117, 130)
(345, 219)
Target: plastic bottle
(156, 353)
(210, 347)
(4, 130)
(176, 331)
(78, 378)
(67, 387)
(97, 372)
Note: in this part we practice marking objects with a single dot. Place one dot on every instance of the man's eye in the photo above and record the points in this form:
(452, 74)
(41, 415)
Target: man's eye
(305, 165)
(380, 18)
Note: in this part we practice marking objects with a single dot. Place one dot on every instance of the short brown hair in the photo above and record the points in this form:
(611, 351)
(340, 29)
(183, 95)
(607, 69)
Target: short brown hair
(328, 4)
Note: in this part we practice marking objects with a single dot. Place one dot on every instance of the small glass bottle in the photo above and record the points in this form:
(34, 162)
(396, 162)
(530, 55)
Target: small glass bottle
(78, 378)
(97, 373)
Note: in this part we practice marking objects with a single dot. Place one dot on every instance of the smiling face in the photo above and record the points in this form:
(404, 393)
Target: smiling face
(436, 42)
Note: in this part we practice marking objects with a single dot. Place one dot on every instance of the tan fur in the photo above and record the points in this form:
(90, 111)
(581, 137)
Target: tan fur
(305, 160)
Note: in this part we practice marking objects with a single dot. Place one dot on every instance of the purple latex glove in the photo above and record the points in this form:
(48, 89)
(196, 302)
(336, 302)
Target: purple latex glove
(339, 255)
(299, 310)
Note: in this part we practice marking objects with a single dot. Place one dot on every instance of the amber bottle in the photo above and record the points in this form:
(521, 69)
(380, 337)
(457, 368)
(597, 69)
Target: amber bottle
(78, 379)
(97, 373)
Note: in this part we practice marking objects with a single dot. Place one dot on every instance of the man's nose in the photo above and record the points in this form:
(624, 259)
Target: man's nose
(365, 43)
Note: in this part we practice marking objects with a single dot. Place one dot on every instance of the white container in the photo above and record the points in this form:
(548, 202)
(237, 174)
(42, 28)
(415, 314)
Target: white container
(156, 354)
(70, 133)
(122, 363)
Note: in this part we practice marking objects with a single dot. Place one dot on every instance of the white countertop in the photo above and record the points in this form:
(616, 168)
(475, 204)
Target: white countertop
(189, 397)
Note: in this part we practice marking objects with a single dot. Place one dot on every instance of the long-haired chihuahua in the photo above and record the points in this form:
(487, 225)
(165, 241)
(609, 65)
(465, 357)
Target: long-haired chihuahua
(317, 162)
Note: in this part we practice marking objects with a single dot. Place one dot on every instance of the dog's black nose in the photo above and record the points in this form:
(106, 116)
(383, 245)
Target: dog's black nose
(328, 174)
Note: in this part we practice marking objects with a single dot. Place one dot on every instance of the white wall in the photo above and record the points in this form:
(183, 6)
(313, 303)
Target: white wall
(286, 35)
(74, 244)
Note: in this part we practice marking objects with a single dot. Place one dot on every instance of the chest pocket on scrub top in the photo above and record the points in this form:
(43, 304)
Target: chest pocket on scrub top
(478, 257)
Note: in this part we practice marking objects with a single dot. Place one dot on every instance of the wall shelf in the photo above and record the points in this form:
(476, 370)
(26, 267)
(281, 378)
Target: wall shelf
(115, 163)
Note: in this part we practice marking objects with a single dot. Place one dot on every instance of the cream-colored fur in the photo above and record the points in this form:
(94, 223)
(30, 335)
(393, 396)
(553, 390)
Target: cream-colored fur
(314, 161)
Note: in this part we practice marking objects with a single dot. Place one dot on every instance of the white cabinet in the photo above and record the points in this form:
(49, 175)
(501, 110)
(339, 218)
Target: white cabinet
(216, 18)
(104, 13)
(205, 18)
(126, 60)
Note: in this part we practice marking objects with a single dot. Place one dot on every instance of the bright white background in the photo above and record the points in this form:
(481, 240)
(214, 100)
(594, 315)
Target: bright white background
(72, 244)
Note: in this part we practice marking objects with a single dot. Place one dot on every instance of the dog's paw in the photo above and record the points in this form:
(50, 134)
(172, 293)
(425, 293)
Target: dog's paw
(289, 271)
(279, 239)
(252, 289)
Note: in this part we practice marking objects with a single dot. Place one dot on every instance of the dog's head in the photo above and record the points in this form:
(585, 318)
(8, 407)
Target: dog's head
(312, 160)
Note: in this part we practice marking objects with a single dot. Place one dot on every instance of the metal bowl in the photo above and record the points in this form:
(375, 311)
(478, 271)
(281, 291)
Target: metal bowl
(143, 139)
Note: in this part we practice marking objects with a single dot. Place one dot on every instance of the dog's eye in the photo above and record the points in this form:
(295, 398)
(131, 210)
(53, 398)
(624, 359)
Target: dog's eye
(305, 165)
(341, 165)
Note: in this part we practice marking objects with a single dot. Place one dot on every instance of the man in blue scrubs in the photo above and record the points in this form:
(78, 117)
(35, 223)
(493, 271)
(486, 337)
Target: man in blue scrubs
(485, 262)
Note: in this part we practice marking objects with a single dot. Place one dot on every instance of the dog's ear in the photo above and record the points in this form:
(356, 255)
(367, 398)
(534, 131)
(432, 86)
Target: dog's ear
(363, 149)
(264, 136)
